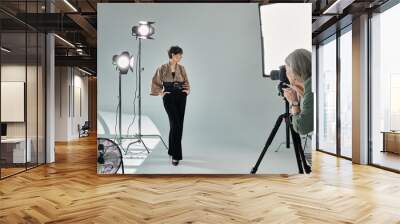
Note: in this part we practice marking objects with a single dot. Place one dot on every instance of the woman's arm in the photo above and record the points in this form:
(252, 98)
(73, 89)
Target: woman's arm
(186, 84)
(303, 120)
(156, 84)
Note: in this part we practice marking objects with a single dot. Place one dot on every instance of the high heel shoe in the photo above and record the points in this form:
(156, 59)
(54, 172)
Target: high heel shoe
(175, 162)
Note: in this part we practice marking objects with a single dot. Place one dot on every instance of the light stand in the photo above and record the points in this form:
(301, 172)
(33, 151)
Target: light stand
(120, 109)
(143, 31)
(123, 63)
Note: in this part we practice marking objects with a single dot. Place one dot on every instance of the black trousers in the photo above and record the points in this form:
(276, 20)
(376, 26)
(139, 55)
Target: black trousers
(175, 104)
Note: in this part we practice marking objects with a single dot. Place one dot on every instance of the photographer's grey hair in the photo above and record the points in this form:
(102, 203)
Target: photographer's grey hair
(300, 62)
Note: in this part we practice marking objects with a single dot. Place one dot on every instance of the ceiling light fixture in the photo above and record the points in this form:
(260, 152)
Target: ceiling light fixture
(64, 40)
(338, 6)
(84, 71)
(5, 50)
(70, 5)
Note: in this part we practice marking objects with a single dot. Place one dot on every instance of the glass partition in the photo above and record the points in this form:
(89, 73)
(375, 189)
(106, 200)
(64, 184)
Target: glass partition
(23, 89)
(327, 95)
(385, 89)
(346, 93)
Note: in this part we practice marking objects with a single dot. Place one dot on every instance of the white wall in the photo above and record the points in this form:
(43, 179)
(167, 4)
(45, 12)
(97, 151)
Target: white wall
(222, 56)
(68, 82)
(33, 126)
(12, 73)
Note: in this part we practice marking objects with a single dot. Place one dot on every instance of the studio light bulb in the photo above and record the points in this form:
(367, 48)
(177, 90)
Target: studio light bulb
(123, 62)
(144, 30)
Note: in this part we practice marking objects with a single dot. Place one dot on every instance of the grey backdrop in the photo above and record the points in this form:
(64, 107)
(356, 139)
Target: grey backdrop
(230, 106)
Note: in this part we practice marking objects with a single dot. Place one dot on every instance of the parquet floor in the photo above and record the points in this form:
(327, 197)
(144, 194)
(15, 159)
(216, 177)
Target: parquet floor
(69, 191)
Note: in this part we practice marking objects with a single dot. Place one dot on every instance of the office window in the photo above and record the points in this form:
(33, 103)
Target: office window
(327, 96)
(346, 93)
(385, 88)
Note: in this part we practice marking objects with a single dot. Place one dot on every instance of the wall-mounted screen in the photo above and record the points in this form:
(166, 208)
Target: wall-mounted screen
(12, 101)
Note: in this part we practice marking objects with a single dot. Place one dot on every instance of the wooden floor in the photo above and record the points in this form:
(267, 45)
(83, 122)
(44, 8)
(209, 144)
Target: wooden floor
(10, 171)
(387, 159)
(69, 191)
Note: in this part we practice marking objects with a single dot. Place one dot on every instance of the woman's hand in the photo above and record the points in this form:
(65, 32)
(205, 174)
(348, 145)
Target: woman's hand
(298, 88)
(290, 94)
(185, 88)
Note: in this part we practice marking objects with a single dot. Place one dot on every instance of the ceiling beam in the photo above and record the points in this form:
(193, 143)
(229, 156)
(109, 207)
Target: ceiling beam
(86, 27)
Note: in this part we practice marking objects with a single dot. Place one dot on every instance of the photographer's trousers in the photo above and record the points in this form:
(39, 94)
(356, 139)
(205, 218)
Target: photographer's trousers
(175, 104)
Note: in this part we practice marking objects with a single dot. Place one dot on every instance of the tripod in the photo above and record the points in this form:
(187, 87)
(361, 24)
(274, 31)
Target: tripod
(139, 137)
(300, 157)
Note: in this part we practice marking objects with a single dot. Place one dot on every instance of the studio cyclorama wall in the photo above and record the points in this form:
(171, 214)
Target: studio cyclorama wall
(229, 109)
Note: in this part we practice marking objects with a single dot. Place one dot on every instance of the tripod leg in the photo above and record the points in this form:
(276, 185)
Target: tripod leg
(300, 152)
(268, 143)
(307, 168)
(287, 132)
(296, 150)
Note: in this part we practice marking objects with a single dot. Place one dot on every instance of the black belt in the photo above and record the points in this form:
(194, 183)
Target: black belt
(173, 87)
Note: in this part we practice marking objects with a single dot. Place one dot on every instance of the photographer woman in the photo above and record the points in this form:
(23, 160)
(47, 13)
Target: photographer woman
(299, 93)
(170, 81)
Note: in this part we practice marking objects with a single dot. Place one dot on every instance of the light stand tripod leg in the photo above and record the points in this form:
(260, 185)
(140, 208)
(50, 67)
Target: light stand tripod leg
(145, 146)
(165, 145)
(159, 136)
(268, 143)
(129, 145)
(140, 140)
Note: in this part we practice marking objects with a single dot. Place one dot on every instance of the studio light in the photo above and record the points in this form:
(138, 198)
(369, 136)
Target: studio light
(144, 30)
(123, 62)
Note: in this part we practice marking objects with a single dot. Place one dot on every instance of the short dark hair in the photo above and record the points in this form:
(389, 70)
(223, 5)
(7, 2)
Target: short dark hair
(174, 50)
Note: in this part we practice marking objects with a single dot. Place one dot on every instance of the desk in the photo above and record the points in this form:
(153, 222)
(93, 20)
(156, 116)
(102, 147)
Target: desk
(13, 150)
(391, 141)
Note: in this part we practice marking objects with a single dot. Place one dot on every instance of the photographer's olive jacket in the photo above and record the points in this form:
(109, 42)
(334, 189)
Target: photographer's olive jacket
(164, 74)
(303, 123)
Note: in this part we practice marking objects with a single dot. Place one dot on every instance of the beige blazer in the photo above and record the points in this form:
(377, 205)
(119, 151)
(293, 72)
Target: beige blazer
(164, 74)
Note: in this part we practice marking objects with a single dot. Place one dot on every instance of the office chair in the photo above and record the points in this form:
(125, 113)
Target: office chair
(84, 130)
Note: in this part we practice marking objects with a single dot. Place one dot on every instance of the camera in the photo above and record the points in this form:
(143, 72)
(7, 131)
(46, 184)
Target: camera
(281, 76)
